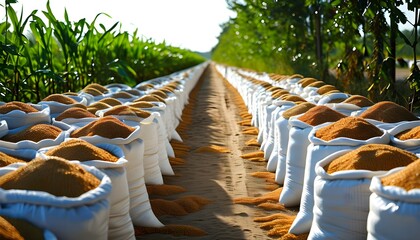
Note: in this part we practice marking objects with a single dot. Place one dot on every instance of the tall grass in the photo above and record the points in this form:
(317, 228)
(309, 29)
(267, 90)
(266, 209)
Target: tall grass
(39, 57)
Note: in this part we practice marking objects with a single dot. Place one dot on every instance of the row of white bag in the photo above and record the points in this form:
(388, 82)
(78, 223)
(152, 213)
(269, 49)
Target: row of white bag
(341, 200)
(121, 200)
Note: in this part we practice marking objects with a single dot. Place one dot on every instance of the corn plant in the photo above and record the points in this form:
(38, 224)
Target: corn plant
(58, 56)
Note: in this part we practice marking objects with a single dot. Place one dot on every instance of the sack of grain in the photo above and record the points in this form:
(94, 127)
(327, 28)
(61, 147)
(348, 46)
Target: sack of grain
(406, 135)
(394, 204)
(349, 173)
(110, 160)
(294, 167)
(326, 139)
(333, 97)
(35, 192)
(34, 136)
(282, 137)
(10, 156)
(58, 103)
(274, 135)
(154, 166)
(18, 114)
(163, 139)
(113, 131)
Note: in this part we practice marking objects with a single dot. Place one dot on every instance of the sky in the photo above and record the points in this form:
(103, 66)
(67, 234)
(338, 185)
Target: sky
(190, 24)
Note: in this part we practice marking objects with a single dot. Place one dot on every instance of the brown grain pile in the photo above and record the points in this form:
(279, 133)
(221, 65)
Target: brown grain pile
(279, 93)
(298, 109)
(147, 98)
(78, 149)
(317, 84)
(389, 112)
(337, 100)
(6, 159)
(142, 104)
(213, 149)
(96, 106)
(97, 86)
(110, 101)
(373, 157)
(25, 229)
(349, 127)
(107, 127)
(75, 112)
(408, 178)
(179, 207)
(15, 105)
(325, 89)
(123, 95)
(160, 99)
(278, 224)
(128, 111)
(268, 197)
(54, 175)
(159, 93)
(292, 98)
(92, 91)
(306, 81)
(61, 98)
(34, 133)
(413, 133)
(359, 101)
(320, 114)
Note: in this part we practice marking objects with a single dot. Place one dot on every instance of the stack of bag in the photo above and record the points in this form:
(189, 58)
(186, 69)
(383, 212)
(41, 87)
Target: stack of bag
(350, 165)
(76, 165)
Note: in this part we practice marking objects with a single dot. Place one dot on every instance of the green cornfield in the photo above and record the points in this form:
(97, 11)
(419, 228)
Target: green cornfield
(40, 57)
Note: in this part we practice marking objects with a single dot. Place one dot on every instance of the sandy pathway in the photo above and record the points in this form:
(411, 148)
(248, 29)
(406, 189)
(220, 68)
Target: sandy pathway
(219, 177)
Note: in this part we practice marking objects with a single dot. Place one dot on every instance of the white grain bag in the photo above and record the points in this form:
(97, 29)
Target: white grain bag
(341, 198)
(149, 135)
(294, 167)
(120, 224)
(394, 212)
(133, 147)
(83, 217)
(28, 144)
(18, 118)
(56, 108)
(275, 134)
(317, 150)
(344, 108)
(409, 144)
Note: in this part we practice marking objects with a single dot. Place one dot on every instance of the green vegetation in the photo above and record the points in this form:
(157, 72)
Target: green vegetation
(59, 56)
(352, 44)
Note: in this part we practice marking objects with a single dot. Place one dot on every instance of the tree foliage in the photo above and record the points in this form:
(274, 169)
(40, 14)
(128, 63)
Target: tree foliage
(353, 44)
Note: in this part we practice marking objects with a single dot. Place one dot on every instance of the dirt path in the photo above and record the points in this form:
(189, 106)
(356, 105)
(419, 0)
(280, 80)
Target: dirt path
(219, 177)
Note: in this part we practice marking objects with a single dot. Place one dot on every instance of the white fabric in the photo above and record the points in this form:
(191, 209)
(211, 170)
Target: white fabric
(275, 137)
(83, 217)
(133, 147)
(17, 118)
(120, 224)
(34, 145)
(317, 150)
(330, 97)
(394, 213)
(404, 144)
(295, 162)
(56, 108)
(341, 202)
(344, 108)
